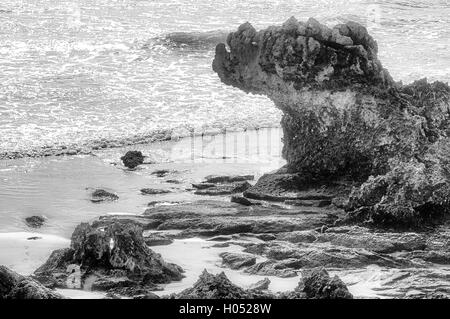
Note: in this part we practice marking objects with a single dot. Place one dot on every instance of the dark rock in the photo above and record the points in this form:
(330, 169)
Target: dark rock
(8, 279)
(237, 261)
(156, 239)
(224, 189)
(35, 221)
(34, 238)
(154, 191)
(345, 118)
(271, 268)
(203, 185)
(161, 172)
(31, 289)
(301, 236)
(132, 159)
(228, 179)
(173, 181)
(317, 284)
(100, 195)
(260, 285)
(212, 218)
(281, 187)
(15, 286)
(313, 203)
(359, 237)
(266, 237)
(115, 254)
(243, 201)
(211, 286)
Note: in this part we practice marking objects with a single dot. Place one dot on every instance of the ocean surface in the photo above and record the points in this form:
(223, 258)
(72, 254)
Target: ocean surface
(120, 71)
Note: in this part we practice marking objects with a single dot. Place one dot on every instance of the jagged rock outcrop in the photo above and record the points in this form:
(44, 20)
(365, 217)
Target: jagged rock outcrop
(344, 118)
(112, 257)
(317, 284)
(209, 286)
(15, 286)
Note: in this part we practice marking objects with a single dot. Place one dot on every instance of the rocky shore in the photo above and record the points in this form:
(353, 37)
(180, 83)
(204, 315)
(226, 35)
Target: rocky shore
(367, 183)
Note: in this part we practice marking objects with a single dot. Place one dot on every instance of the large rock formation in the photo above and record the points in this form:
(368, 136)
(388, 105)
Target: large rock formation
(346, 119)
(112, 257)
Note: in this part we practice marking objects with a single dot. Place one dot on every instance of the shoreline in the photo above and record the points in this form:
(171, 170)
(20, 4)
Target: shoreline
(94, 146)
(187, 161)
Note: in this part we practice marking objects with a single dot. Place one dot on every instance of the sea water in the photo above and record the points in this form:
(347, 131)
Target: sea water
(78, 71)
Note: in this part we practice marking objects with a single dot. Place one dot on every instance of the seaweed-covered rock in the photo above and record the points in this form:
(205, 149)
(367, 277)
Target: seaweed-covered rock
(132, 159)
(344, 118)
(115, 255)
(317, 284)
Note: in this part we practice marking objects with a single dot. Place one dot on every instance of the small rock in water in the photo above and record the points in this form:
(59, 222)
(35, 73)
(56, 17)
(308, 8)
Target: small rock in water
(161, 172)
(34, 238)
(35, 221)
(100, 195)
(154, 191)
(132, 159)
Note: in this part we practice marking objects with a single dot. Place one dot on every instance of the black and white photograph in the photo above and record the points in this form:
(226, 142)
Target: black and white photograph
(254, 150)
